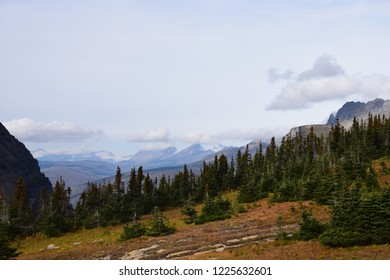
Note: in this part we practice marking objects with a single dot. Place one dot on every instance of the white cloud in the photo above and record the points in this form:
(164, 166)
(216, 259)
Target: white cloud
(28, 130)
(300, 94)
(375, 86)
(275, 75)
(250, 134)
(161, 138)
(328, 81)
(324, 66)
(154, 146)
(197, 137)
(77, 153)
(157, 135)
(233, 135)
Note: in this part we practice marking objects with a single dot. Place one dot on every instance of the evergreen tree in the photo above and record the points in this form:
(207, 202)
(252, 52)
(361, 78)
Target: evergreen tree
(189, 211)
(148, 193)
(163, 192)
(310, 227)
(214, 210)
(251, 191)
(134, 230)
(186, 186)
(106, 214)
(58, 216)
(6, 251)
(229, 178)
(159, 224)
(21, 212)
(134, 195)
(4, 213)
(119, 184)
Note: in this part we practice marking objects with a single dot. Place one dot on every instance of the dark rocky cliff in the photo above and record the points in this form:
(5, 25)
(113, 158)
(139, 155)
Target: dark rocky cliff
(345, 115)
(360, 110)
(15, 162)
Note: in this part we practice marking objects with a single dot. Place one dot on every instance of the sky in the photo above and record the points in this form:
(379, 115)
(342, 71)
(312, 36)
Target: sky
(123, 76)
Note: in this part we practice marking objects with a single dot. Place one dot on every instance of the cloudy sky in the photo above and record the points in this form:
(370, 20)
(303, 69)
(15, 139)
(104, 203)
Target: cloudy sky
(122, 76)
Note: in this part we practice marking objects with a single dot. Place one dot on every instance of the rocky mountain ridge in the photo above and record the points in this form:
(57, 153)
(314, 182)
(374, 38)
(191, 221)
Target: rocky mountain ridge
(360, 110)
(166, 157)
(16, 161)
(345, 116)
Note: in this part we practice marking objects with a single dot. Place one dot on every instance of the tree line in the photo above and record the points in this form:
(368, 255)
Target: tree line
(311, 167)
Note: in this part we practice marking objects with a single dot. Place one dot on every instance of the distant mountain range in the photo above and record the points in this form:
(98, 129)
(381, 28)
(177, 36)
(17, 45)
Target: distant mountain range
(193, 157)
(77, 170)
(167, 157)
(80, 168)
(44, 155)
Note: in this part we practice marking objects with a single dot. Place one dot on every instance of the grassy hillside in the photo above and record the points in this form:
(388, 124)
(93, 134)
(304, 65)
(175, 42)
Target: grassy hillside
(257, 224)
(247, 235)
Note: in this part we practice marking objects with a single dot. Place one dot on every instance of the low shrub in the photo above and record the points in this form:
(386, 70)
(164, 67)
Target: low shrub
(133, 230)
(310, 227)
(344, 237)
(214, 210)
(189, 211)
(159, 225)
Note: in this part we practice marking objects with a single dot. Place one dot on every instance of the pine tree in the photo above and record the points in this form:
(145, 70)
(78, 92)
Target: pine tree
(251, 191)
(21, 212)
(6, 251)
(58, 216)
(159, 224)
(163, 192)
(186, 182)
(189, 211)
(214, 210)
(229, 178)
(107, 215)
(148, 193)
(221, 172)
(119, 184)
(4, 213)
(134, 197)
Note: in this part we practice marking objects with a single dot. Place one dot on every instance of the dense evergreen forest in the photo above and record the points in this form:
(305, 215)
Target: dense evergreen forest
(334, 169)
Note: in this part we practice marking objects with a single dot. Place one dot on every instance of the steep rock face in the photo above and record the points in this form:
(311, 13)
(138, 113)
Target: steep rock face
(304, 130)
(345, 115)
(360, 110)
(15, 162)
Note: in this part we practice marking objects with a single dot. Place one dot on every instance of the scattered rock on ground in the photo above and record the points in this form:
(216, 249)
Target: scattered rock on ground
(52, 247)
(139, 254)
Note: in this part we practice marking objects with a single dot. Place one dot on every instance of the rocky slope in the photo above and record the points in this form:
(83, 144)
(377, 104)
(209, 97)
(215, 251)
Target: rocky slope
(360, 110)
(345, 115)
(15, 162)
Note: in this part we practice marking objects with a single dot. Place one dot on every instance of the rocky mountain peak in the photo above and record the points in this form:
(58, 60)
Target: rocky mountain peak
(360, 110)
(345, 115)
